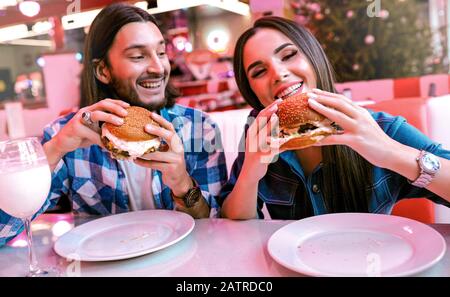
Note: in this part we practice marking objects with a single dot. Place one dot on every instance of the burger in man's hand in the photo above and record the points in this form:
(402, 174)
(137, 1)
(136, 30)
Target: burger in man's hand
(130, 141)
(300, 125)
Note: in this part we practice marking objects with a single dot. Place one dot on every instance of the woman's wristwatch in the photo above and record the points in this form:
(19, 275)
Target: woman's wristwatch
(191, 197)
(429, 165)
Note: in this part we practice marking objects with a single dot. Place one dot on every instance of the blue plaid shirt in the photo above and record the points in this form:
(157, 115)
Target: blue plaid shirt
(96, 184)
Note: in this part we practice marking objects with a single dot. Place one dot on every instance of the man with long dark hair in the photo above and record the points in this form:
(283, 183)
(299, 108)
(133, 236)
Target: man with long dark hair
(126, 64)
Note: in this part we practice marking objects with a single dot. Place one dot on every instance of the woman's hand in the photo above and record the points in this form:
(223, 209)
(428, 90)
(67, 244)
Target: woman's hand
(76, 134)
(171, 162)
(262, 144)
(361, 131)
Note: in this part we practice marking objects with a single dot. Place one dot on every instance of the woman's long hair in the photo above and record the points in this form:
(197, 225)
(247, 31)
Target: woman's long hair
(346, 175)
(98, 42)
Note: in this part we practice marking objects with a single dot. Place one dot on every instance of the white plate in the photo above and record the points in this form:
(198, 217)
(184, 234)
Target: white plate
(355, 244)
(124, 235)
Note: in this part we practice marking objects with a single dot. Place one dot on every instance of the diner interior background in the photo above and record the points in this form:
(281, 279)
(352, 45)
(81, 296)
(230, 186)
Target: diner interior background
(381, 50)
(360, 46)
(398, 41)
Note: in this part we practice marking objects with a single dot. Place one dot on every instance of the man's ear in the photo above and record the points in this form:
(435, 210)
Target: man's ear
(101, 71)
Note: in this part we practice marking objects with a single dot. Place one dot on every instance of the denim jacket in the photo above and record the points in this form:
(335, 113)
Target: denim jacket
(278, 189)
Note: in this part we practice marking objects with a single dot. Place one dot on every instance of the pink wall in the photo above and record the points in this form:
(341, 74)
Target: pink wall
(376, 90)
(438, 122)
(267, 5)
(61, 73)
(440, 81)
(383, 89)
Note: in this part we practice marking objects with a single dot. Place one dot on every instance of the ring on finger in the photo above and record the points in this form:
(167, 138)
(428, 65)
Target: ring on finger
(86, 118)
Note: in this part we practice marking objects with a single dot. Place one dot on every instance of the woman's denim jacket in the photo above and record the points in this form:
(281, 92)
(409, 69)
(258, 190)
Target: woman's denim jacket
(277, 189)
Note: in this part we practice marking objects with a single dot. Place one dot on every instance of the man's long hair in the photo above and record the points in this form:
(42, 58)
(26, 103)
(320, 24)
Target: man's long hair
(99, 40)
(347, 176)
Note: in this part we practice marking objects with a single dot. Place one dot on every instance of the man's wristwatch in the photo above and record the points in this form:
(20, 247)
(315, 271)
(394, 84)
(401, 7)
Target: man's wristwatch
(192, 196)
(429, 165)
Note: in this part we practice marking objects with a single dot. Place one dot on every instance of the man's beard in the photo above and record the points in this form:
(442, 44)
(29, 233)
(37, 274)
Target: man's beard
(127, 93)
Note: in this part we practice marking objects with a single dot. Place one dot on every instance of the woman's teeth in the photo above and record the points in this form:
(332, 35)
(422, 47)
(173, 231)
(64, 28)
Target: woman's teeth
(290, 90)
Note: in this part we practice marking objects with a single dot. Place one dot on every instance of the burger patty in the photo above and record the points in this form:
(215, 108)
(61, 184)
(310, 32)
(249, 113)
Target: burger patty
(120, 154)
(306, 127)
(300, 130)
(116, 152)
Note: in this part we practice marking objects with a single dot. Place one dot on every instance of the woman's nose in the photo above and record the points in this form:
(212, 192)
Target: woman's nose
(279, 72)
(281, 76)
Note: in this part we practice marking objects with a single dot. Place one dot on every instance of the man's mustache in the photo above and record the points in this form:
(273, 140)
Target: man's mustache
(152, 76)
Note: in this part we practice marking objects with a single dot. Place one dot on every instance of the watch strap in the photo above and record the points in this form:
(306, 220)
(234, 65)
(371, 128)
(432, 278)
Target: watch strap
(423, 180)
(425, 177)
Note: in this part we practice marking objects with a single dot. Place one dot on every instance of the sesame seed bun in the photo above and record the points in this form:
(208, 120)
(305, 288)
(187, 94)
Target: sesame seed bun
(133, 127)
(301, 125)
(295, 110)
(130, 141)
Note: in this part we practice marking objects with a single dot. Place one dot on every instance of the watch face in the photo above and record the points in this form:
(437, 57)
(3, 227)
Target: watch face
(430, 163)
(192, 197)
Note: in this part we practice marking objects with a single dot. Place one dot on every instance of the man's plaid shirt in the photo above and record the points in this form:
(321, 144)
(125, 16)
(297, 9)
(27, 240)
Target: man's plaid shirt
(96, 184)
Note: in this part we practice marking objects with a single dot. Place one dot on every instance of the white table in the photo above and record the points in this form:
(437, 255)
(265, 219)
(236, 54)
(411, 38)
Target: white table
(216, 247)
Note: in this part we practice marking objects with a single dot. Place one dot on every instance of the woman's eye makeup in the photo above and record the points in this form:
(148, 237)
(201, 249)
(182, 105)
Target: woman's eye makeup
(257, 72)
(284, 56)
(289, 55)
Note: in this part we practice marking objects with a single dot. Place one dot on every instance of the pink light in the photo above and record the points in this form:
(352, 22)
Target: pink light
(61, 227)
(179, 42)
(29, 8)
(19, 243)
(180, 46)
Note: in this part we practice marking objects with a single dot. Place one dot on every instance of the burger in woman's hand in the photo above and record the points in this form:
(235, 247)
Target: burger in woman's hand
(130, 141)
(300, 125)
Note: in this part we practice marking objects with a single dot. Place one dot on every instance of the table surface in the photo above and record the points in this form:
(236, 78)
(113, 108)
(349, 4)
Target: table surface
(216, 247)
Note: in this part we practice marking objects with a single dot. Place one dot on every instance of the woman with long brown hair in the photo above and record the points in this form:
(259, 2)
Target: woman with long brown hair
(367, 168)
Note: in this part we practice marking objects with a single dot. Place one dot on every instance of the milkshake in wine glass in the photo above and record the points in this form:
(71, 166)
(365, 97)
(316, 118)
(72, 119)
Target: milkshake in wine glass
(25, 180)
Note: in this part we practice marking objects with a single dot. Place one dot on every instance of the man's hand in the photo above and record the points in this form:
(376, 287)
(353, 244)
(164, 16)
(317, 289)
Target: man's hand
(76, 134)
(171, 163)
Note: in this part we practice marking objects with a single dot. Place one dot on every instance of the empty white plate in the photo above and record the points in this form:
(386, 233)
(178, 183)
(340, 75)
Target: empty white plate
(124, 235)
(357, 244)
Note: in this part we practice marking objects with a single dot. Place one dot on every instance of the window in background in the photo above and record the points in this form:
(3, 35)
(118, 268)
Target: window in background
(21, 77)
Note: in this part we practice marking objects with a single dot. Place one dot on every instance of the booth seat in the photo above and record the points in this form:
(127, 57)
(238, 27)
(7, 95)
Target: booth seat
(414, 110)
(368, 90)
(431, 116)
(438, 122)
(231, 124)
(407, 87)
(434, 85)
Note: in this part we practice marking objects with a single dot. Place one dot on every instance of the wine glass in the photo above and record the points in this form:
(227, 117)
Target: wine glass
(25, 180)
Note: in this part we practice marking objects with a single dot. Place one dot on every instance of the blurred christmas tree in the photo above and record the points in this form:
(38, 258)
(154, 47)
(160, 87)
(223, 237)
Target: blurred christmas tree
(362, 41)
